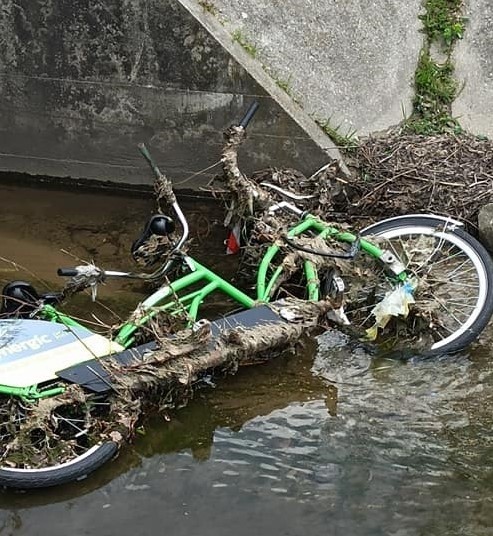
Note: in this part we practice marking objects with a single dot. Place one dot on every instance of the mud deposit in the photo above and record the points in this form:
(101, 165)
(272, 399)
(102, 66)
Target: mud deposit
(325, 442)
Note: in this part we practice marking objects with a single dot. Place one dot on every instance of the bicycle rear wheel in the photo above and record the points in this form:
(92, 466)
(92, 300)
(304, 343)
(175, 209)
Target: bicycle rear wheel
(454, 296)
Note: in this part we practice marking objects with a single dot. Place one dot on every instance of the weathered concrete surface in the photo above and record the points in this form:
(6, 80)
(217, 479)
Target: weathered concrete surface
(485, 224)
(352, 62)
(216, 28)
(82, 82)
(473, 58)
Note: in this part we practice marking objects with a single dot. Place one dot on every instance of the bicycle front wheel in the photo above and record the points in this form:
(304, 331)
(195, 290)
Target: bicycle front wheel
(454, 294)
(49, 443)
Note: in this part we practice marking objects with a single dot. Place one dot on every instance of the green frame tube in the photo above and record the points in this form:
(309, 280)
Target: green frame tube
(199, 273)
(154, 303)
(31, 393)
(264, 287)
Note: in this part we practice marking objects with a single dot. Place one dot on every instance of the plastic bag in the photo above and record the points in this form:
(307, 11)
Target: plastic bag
(395, 303)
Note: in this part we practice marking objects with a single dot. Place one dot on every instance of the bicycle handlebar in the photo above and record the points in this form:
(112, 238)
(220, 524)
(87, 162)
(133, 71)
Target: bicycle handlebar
(76, 271)
(249, 114)
(67, 272)
(147, 155)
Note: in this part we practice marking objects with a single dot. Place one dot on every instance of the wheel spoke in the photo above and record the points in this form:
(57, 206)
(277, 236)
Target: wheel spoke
(34, 441)
(440, 302)
(448, 257)
(453, 272)
(446, 282)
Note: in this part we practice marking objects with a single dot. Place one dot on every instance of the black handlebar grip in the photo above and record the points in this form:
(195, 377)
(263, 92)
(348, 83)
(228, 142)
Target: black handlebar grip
(249, 114)
(67, 272)
(147, 155)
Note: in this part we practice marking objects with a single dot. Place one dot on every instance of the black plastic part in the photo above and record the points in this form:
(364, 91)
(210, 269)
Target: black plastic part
(66, 272)
(92, 376)
(19, 299)
(249, 114)
(159, 224)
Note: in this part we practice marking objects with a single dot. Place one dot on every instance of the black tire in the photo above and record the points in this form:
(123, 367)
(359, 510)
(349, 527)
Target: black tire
(77, 469)
(54, 441)
(461, 245)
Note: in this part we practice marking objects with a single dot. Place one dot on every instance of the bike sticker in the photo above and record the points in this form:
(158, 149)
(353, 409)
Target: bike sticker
(32, 351)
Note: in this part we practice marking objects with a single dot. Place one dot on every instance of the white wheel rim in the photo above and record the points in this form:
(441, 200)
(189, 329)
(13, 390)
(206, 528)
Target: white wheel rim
(86, 454)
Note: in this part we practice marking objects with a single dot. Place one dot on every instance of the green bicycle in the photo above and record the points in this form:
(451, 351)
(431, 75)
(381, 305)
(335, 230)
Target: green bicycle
(419, 276)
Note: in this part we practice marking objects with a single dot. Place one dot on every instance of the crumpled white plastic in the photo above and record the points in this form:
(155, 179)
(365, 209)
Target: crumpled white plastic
(395, 303)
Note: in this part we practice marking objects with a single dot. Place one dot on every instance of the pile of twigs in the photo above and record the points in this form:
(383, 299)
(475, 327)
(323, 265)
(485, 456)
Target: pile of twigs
(446, 174)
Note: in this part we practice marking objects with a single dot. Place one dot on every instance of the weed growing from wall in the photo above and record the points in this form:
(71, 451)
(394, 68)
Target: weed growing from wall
(345, 142)
(240, 38)
(443, 21)
(435, 85)
(208, 6)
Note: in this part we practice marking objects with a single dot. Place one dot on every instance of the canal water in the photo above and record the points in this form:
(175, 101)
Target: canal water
(325, 441)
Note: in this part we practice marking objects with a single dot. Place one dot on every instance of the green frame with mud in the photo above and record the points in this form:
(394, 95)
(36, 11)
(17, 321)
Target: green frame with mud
(177, 301)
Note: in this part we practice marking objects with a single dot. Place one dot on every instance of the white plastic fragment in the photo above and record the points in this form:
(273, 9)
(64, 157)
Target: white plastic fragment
(395, 303)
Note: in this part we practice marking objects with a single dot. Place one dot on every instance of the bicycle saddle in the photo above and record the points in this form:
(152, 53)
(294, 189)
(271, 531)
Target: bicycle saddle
(159, 225)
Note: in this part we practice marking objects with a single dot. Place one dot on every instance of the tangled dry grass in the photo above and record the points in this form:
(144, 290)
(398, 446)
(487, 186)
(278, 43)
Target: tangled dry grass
(396, 174)
(445, 174)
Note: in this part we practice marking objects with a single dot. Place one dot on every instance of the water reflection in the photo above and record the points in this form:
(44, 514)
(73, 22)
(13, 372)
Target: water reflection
(407, 451)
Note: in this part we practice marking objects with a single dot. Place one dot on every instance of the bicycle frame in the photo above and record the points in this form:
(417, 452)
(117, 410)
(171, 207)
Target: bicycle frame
(211, 282)
(173, 298)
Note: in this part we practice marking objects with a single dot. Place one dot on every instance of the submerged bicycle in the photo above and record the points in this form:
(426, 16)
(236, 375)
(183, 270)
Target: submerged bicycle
(420, 275)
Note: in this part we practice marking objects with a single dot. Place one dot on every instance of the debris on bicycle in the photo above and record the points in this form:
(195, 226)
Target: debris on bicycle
(85, 276)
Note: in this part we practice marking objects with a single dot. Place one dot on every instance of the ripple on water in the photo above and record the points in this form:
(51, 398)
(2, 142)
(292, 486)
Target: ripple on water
(407, 437)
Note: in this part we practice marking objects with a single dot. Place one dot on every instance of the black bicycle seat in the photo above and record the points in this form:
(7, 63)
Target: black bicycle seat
(159, 224)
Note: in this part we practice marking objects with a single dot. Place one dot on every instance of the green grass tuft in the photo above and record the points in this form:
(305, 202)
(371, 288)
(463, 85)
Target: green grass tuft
(442, 20)
(435, 85)
(435, 91)
(285, 85)
(346, 142)
(240, 38)
(208, 6)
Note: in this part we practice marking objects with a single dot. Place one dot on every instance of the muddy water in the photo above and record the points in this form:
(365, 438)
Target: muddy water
(327, 441)
(42, 230)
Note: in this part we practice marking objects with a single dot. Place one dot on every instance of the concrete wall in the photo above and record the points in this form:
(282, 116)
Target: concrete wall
(83, 81)
(350, 61)
(473, 58)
